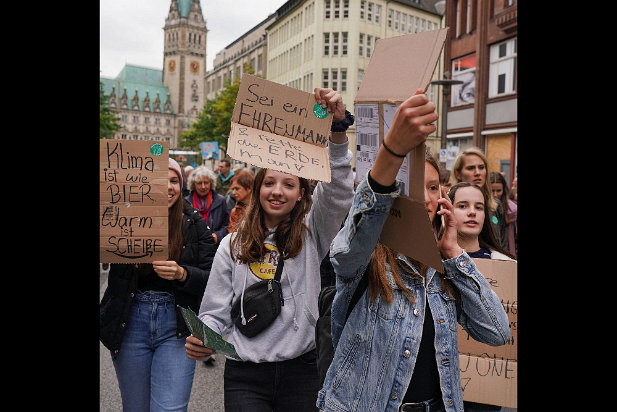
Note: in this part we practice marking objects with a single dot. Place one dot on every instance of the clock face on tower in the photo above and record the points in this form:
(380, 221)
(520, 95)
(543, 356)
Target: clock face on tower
(194, 65)
(171, 66)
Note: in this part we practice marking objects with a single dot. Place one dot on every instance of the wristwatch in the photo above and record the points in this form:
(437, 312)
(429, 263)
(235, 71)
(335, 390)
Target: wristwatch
(343, 125)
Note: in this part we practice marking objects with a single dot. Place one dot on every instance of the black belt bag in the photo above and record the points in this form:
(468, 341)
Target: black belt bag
(261, 304)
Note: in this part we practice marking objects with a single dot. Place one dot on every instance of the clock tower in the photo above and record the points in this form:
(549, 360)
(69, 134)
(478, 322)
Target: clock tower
(184, 60)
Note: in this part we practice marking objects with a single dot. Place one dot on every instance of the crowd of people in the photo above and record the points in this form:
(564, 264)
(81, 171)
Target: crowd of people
(231, 228)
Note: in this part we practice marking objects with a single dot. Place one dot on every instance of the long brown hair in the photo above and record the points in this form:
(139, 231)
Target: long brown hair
(252, 231)
(174, 223)
(486, 238)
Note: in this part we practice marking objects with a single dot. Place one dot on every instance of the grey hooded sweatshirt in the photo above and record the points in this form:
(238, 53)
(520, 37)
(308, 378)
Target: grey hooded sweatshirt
(293, 332)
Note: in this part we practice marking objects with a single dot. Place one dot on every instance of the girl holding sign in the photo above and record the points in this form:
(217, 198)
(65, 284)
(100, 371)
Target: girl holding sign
(476, 237)
(139, 321)
(284, 223)
(398, 350)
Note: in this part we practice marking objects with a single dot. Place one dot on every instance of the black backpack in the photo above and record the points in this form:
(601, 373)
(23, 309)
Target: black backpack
(323, 333)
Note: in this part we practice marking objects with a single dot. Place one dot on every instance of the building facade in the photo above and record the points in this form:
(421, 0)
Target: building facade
(324, 43)
(154, 104)
(142, 104)
(328, 43)
(481, 51)
(229, 62)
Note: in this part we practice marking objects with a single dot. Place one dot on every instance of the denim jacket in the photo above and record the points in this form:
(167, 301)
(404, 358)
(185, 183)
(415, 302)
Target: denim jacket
(375, 351)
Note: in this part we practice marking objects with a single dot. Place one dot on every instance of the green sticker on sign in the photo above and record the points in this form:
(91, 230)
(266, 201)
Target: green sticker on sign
(319, 111)
(156, 149)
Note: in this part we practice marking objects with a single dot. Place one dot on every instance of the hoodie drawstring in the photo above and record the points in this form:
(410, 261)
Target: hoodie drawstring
(296, 327)
(242, 298)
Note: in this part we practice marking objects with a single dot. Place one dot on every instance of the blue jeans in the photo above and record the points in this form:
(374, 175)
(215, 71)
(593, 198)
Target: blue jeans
(284, 386)
(154, 373)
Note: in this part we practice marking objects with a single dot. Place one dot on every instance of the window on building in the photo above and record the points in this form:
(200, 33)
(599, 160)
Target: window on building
(502, 71)
(369, 41)
(337, 9)
(324, 79)
(343, 80)
(344, 43)
(403, 21)
(326, 44)
(334, 79)
(369, 12)
(469, 17)
(361, 45)
(360, 76)
(327, 9)
(362, 6)
(335, 44)
(397, 20)
(464, 69)
(390, 14)
(377, 13)
(345, 9)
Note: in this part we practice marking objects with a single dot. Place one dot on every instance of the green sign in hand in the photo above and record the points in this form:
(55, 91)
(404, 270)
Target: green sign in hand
(210, 338)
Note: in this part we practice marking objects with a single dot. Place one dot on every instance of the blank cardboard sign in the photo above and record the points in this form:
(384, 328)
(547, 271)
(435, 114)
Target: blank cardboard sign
(281, 128)
(398, 67)
(133, 201)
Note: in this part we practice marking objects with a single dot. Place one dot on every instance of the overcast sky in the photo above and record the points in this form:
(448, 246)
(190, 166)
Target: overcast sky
(131, 31)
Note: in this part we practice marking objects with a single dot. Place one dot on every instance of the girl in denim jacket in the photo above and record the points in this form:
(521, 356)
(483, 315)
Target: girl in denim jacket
(398, 350)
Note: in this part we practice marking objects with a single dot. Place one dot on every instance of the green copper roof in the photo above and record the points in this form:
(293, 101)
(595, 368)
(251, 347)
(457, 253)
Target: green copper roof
(145, 81)
(184, 6)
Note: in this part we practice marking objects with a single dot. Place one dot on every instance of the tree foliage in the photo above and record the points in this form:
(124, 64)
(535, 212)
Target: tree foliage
(213, 123)
(109, 124)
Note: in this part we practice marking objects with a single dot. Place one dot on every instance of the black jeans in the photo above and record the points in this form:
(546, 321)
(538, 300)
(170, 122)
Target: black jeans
(290, 385)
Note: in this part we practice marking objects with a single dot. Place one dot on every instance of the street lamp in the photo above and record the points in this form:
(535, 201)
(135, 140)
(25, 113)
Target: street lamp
(447, 84)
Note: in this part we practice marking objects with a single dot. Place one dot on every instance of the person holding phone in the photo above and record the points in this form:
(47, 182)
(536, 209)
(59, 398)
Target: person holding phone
(398, 350)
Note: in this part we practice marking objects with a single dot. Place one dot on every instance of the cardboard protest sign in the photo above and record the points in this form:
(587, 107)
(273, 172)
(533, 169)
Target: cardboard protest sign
(398, 67)
(133, 201)
(281, 128)
(489, 373)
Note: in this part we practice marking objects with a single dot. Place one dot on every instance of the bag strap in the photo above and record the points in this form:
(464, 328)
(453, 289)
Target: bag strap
(358, 293)
(279, 269)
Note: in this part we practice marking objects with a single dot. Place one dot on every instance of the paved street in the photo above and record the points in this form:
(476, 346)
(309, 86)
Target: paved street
(206, 395)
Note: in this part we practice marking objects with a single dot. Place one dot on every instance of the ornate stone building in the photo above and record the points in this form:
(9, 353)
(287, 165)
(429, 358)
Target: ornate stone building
(154, 104)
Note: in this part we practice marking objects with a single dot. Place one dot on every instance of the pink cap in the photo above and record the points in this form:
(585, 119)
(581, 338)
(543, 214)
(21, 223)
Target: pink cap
(173, 165)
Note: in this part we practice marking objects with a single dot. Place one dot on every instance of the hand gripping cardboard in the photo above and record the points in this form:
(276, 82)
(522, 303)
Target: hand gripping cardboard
(398, 67)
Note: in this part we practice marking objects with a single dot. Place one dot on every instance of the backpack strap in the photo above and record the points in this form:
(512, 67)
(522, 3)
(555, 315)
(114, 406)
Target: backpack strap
(358, 293)
(279, 269)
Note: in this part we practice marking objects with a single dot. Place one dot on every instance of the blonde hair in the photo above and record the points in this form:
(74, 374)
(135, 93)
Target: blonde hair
(458, 166)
